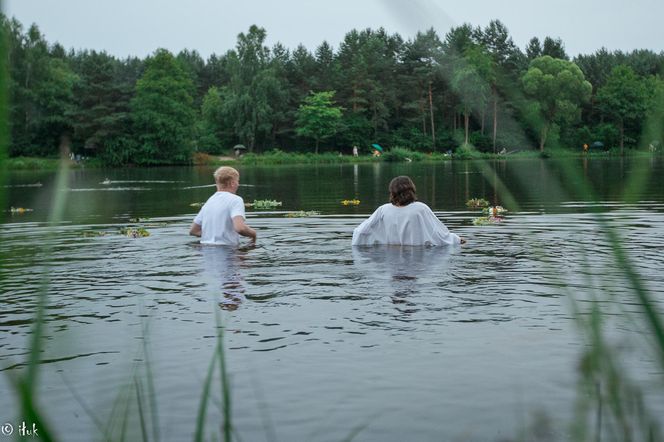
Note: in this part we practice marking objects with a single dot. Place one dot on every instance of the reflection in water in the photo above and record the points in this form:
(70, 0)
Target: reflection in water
(407, 267)
(224, 264)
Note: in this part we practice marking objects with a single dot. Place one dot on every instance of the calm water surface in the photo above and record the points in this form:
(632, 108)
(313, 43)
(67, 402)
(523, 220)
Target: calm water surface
(396, 343)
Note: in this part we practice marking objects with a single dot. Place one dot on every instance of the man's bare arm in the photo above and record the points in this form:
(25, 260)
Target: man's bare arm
(242, 228)
(195, 230)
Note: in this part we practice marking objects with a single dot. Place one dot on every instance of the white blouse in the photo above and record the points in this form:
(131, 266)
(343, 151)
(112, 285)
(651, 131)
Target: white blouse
(413, 225)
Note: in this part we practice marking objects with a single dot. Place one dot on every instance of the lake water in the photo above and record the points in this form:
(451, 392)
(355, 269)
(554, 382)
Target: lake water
(325, 341)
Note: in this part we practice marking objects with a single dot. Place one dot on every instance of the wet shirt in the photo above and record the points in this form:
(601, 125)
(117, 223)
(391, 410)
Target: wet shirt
(414, 224)
(216, 219)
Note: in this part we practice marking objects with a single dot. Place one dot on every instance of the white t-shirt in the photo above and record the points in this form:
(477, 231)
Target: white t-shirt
(414, 225)
(216, 219)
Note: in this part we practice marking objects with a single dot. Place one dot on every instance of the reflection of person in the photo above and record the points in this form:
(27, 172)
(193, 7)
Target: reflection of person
(404, 271)
(223, 265)
(221, 219)
(404, 221)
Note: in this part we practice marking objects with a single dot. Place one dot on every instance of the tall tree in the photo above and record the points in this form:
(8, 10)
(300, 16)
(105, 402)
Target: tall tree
(470, 85)
(318, 117)
(163, 113)
(554, 48)
(556, 88)
(506, 63)
(534, 49)
(253, 87)
(623, 98)
(421, 74)
(102, 106)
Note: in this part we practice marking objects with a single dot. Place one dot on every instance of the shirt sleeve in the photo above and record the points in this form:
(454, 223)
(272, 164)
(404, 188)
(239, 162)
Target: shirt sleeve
(441, 231)
(237, 208)
(199, 218)
(363, 232)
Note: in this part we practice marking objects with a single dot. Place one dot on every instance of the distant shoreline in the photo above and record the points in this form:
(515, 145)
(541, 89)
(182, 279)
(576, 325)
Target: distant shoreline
(276, 158)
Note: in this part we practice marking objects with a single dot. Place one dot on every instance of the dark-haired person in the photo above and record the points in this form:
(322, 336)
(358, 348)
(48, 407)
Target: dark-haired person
(404, 221)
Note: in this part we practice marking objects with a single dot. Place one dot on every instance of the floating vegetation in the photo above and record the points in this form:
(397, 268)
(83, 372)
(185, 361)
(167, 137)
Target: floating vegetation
(138, 220)
(131, 232)
(37, 184)
(351, 202)
(494, 211)
(196, 204)
(264, 204)
(302, 214)
(19, 210)
(93, 233)
(477, 203)
(487, 220)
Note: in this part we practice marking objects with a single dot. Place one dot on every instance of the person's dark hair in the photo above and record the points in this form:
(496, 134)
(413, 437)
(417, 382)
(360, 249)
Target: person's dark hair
(402, 191)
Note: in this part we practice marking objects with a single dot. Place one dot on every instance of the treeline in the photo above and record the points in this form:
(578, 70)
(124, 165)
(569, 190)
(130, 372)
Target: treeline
(474, 87)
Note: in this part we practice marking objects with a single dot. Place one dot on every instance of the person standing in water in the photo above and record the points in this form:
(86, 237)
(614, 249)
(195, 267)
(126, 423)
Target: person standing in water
(221, 220)
(404, 221)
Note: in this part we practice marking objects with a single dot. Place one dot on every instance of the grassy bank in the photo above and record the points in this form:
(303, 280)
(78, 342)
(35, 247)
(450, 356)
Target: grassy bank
(36, 163)
(397, 154)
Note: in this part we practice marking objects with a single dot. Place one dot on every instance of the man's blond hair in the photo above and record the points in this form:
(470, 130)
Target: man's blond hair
(225, 175)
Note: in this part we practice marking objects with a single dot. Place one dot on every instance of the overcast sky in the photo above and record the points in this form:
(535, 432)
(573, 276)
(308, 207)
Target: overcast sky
(138, 27)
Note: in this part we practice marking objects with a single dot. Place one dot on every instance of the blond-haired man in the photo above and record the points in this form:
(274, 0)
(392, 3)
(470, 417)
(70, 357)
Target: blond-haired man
(221, 220)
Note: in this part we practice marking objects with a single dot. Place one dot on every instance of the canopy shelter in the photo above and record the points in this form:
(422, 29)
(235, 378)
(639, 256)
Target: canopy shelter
(239, 149)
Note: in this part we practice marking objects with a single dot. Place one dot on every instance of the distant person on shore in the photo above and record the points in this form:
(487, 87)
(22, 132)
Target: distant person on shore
(221, 220)
(355, 151)
(404, 221)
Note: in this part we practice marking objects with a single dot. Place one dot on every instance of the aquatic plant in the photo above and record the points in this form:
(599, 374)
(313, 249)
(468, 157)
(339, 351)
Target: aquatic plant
(302, 214)
(354, 202)
(132, 232)
(19, 210)
(477, 203)
(486, 220)
(265, 204)
(93, 233)
(494, 211)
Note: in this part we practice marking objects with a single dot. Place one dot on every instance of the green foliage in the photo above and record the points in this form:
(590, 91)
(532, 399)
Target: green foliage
(318, 117)
(162, 112)
(425, 94)
(467, 152)
(398, 154)
(277, 156)
(252, 97)
(470, 84)
(623, 98)
(557, 88)
(101, 119)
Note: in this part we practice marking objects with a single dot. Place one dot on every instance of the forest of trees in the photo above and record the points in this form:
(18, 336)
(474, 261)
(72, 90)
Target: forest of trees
(473, 85)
